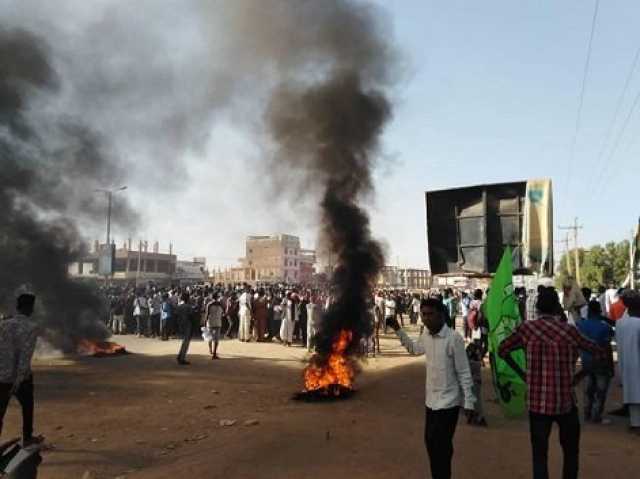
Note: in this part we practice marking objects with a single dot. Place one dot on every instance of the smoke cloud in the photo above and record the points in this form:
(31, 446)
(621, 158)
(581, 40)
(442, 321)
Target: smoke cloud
(114, 92)
(50, 165)
(327, 128)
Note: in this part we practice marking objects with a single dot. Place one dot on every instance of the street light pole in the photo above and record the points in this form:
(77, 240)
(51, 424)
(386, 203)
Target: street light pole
(109, 194)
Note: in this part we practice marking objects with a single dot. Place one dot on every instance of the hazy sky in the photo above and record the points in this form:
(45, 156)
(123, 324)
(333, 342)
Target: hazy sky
(488, 93)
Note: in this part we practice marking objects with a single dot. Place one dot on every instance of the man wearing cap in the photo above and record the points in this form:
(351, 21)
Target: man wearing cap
(17, 343)
(628, 345)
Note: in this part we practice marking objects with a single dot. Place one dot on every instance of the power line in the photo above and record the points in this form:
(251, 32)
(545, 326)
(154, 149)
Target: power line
(581, 100)
(602, 174)
(609, 130)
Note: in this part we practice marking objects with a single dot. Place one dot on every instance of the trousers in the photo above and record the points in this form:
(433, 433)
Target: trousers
(595, 394)
(634, 415)
(540, 428)
(440, 426)
(24, 395)
(244, 333)
(186, 341)
(117, 324)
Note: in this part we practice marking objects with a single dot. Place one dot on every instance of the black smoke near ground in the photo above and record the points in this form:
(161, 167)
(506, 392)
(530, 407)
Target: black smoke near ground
(49, 167)
(327, 129)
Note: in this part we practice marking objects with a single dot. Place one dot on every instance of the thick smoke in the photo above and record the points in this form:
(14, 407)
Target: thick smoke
(331, 131)
(49, 166)
(327, 128)
(128, 92)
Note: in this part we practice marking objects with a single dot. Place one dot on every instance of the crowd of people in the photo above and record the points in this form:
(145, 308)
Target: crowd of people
(285, 313)
(557, 328)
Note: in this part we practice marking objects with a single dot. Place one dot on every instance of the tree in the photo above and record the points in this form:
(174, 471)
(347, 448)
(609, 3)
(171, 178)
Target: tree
(599, 265)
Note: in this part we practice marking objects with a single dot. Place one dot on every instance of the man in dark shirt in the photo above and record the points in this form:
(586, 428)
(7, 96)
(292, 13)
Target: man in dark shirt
(18, 337)
(185, 315)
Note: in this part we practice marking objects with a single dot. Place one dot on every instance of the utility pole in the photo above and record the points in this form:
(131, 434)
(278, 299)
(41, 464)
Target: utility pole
(109, 195)
(565, 243)
(575, 228)
(139, 261)
(632, 258)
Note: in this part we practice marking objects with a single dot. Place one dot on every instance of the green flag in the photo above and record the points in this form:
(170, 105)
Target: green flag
(503, 316)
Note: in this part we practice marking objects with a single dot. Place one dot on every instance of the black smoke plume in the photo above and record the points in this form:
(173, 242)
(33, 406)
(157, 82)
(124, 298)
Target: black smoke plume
(49, 167)
(152, 78)
(328, 127)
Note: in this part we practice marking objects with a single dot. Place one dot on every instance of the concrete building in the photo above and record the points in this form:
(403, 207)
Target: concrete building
(271, 259)
(231, 275)
(307, 261)
(404, 278)
(139, 265)
(190, 272)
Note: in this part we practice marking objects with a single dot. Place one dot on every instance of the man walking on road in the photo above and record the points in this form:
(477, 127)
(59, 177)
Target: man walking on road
(448, 385)
(185, 315)
(552, 347)
(17, 343)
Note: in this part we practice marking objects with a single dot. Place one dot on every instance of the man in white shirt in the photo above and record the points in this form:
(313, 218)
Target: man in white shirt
(389, 310)
(415, 309)
(448, 383)
(610, 297)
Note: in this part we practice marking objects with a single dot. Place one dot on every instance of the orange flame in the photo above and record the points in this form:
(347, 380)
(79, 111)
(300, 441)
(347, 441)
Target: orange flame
(337, 370)
(88, 347)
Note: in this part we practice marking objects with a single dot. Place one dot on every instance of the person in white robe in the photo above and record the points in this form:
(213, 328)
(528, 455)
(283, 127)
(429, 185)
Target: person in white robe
(244, 331)
(628, 345)
(289, 317)
(313, 313)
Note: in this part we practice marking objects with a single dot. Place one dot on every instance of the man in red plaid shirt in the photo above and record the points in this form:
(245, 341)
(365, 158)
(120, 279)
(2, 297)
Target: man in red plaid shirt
(552, 347)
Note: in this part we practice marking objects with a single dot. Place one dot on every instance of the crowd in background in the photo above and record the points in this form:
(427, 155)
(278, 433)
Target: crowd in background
(290, 314)
(285, 312)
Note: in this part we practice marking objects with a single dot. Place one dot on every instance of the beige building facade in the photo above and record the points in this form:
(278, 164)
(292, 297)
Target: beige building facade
(404, 278)
(271, 259)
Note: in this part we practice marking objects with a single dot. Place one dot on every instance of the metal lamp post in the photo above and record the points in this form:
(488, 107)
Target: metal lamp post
(109, 194)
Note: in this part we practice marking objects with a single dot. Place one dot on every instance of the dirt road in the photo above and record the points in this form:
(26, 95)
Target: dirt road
(142, 416)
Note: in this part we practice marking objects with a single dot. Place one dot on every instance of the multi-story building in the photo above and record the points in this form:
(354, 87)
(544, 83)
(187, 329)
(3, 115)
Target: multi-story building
(405, 278)
(271, 259)
(190, 272)
(307, 261)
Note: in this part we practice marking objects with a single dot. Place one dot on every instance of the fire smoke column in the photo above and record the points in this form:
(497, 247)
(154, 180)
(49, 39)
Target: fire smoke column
(43, 162)
(328, 127)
